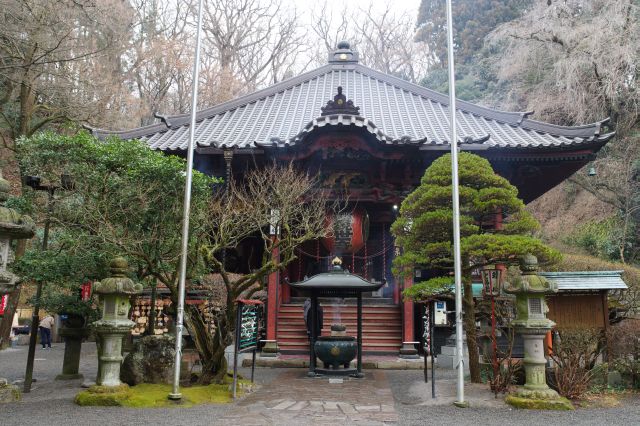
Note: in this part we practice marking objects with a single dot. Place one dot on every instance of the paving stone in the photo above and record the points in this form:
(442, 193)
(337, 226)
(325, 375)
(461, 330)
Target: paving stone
(298, 406)
(347, 408)
(316, 406)
(272, 403)
(284, 405)
(330, 406)
(363, 408)
(387, 409)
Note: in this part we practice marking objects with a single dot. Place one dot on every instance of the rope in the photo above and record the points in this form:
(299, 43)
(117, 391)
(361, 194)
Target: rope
(370, 256)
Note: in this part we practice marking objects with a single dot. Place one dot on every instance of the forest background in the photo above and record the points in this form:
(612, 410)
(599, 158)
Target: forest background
(116, 63)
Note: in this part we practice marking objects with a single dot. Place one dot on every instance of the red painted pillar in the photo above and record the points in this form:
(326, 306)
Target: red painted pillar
(408, 349)
(273, 304)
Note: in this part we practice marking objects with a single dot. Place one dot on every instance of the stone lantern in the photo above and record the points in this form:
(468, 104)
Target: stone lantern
(114, 293)
(532, 324)
(13, 226)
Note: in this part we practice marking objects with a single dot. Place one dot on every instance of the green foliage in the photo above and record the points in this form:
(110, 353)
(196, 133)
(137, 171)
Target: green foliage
(126, 200)
(425, 290)
(472, 21)
(601, 238)
(424, 228)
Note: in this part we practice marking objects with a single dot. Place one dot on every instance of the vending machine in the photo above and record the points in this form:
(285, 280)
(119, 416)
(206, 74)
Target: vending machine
(440, 313)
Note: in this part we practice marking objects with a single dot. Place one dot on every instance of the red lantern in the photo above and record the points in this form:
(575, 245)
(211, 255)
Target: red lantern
(350, 231)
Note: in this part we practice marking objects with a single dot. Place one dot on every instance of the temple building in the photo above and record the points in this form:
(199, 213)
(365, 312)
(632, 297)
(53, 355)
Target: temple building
(373, 135)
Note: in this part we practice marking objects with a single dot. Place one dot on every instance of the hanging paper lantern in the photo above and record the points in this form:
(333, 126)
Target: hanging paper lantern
(350, 231)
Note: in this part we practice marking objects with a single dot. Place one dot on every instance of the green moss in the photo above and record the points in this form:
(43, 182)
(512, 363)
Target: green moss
(155, 395)
(539, 404)
(107, 396)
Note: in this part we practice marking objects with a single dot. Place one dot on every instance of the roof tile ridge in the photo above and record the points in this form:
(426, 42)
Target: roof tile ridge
(127, 134)
(509, 117)
(583, 130)
(178, 120)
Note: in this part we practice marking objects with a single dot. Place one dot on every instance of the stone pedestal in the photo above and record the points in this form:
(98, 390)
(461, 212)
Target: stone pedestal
(448, 358)
(408, 350)
(270, 349)
(73, 338)
(110, 351)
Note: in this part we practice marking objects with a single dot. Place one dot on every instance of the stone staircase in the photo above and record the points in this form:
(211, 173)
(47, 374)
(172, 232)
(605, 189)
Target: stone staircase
(381, 326)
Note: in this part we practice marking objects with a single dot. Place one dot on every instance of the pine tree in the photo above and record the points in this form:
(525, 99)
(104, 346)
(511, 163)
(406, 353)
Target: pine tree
(424, 230)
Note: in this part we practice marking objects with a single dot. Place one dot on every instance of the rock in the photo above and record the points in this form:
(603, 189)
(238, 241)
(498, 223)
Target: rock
(151, 361)
(9, 393)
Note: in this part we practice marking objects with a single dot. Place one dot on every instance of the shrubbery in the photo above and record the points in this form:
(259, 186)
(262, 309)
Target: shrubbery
(624, 350)
(575, 352)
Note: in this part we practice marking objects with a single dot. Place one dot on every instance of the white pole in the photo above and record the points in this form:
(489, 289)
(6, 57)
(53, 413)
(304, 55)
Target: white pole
(456, 209)
(175, 393)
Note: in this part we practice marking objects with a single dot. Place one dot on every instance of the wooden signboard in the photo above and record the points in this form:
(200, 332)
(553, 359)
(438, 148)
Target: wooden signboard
(247, 334)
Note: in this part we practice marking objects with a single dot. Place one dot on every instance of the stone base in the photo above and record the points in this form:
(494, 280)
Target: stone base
(542, 393)
(9, 392)
(69, 376)
(409, 351)
(270, 349)
(558, 403)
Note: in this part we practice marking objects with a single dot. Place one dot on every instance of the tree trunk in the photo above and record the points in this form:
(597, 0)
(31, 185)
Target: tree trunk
(210, 347)
(470, 328)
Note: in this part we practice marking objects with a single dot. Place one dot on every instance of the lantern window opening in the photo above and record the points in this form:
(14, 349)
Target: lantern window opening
(535, 307)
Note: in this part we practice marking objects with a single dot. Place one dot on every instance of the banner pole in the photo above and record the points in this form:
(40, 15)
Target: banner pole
(456, 209)
(175, 392)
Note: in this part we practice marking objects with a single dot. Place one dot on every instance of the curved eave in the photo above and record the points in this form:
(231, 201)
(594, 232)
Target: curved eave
(338, 120)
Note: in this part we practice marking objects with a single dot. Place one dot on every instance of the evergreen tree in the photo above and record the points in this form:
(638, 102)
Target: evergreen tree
(472, 21)
(424, 230)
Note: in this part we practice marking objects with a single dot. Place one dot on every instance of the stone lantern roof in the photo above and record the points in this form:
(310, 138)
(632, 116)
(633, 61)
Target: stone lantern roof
(13, 224)
(118, 282)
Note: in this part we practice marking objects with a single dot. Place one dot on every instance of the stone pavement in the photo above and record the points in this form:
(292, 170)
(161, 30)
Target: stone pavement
(292, 398)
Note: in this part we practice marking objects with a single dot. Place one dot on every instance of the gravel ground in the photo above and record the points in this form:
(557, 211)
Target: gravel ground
(412, 397)
(51, 403)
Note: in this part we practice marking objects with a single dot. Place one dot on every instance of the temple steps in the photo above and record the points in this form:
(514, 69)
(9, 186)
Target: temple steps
(381, 326)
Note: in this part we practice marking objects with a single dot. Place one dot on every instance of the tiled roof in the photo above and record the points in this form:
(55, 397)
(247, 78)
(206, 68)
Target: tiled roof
(589, 280)
(393, 110)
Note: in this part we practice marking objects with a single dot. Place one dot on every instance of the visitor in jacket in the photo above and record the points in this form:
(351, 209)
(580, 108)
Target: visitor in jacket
(45, 331)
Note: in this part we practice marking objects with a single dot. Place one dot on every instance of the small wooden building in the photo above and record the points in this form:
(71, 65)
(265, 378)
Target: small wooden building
(582, 298)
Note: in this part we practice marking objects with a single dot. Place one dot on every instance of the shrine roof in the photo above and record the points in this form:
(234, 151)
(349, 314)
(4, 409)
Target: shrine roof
(394, 111)
(336, 282)
(587, 280)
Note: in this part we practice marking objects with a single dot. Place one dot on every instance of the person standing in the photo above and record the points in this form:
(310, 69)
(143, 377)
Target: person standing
(45, 331)
(307, 318)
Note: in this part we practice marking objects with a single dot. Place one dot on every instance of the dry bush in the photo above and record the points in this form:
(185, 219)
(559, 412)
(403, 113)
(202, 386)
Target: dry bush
(502, 375)
(575, 352)
(623, 347)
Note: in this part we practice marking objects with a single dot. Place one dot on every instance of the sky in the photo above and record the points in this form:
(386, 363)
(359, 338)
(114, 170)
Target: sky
(306, 7)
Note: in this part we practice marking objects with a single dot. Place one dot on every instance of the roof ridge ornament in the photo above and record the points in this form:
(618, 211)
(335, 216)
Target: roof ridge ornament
(340, 105)
(343, 54)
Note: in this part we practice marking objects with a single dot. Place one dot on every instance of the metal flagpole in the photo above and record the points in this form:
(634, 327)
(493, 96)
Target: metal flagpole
(175, 393)
(456, 209)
